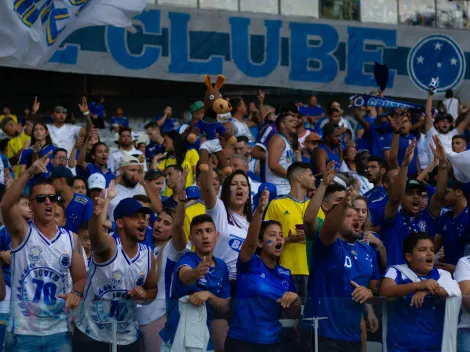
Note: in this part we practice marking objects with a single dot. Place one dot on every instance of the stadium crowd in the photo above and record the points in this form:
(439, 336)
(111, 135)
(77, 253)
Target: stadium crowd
(352, 223)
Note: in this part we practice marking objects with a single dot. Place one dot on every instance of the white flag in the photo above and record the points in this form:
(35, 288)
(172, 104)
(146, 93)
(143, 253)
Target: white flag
(461, 164)
(32, 30)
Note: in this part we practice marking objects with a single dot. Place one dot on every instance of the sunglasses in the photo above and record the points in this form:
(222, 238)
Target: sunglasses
(60, 110)
(41, 198)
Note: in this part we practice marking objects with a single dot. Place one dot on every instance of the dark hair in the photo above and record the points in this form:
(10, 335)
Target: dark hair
(138, 144)
(151, 124)
(169, 211)
(294, 167)
(459, 136)
(329, 128)
(333, 188)
(83, 226)
(412, 240)
(243, 139)
(235, 102)
(449, 93)
(280, 119)
(57, 150)
(225, 197)
(124, 129)
(40, 182)
(72, 181)
(23, 196)
(264, 225)
(174, 166)
(330, 111)
(95, 146)
(381, 161)
(141, 198)
(179, 146)
(48, 137)
(4, 143)
(200, 219)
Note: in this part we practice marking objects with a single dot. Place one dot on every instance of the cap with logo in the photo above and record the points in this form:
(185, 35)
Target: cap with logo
(129, 207)
(96, 181)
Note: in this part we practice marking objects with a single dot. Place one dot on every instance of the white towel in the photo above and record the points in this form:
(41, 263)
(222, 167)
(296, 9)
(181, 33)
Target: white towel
(192, 333)
(461, 165)
(453, 303)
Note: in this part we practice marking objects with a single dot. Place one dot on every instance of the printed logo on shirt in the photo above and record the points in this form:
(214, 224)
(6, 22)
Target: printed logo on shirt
(64, 261)
(285, 284)
(282, 271)
(34, 253)
(140, 280)
(202, 281)
(235, 242)
(286, 212)
(117, 276)
(112, 303)
(422, 225)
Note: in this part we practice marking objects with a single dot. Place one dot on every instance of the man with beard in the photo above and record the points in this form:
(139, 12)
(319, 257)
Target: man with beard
(360, 161)
(327, 150)
(376, 173)
(125, 148)
(442, 127)
(343, 276)
(128, 184)
(289, 210)
(399, 224)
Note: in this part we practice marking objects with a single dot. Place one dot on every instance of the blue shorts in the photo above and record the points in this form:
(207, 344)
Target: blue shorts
(61, 342)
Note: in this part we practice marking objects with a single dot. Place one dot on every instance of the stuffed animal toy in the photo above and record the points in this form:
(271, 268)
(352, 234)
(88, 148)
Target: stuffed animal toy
(214, 104)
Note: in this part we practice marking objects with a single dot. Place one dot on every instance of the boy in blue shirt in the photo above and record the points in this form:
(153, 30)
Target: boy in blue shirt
(416, 323)
(343, 276)
(200, 276)
(398, 225)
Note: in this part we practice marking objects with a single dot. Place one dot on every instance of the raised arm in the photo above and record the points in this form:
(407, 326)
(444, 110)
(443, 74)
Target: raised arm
(251, 242)
(262, 109)
(102, 244)
(16, 225)
(83, 149)
(84, 132)
(428, 121)
(178, 238)
(464, 123)
(275, 149)
(311, 213)
(208, 194)
(437, 200)
(398, 187)
(334, 220)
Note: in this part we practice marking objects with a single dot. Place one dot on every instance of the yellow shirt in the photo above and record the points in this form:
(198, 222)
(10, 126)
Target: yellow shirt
(193, 209)
(16, 144)
(290, 212)
(190, 160)
(11, 115)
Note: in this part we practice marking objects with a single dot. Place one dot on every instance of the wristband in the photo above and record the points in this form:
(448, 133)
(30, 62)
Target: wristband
(77, 293)
(86, 113)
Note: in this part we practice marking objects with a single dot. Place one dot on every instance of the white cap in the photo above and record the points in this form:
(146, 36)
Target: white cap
(96, 181)
(129, 160)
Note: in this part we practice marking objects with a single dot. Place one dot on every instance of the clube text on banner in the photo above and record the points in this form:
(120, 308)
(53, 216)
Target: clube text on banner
(32, 30)
(181, 44)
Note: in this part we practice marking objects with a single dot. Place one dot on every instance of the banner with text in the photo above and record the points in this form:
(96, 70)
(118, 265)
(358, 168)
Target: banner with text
(323, 56)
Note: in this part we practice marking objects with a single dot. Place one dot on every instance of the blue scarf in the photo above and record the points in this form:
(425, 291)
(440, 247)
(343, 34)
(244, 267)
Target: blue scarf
(358, 101)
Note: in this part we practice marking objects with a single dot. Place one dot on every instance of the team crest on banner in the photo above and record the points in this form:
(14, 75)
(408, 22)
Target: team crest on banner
(436, 56)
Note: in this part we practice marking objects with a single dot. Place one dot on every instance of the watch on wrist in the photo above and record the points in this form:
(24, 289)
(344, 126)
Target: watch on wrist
(75, 292)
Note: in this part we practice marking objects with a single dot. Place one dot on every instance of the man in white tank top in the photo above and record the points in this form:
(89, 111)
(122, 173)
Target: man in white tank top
(121, 273)
(280, 154)
(43, 257)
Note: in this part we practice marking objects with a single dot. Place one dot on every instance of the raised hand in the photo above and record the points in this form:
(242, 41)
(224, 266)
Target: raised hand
(347, 200)
(203, 268)
(396, 123)
(260, 96)
(8, 178)
(329, 173)
(409, 153)
(438, 151)
(181, 184)
(83, 106)
(263, 201)
(40, 165)
(36, 105)
(111, 190)
(79, 142)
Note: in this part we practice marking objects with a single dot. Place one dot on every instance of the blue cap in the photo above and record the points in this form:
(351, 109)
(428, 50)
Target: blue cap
(129, 207)
(192, 192)
(61, 171)
(272, 193)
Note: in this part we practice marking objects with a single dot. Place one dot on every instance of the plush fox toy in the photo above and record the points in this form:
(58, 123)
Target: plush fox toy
(214, 104)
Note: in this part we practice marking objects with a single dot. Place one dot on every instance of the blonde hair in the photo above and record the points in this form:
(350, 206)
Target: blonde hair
(367, 224)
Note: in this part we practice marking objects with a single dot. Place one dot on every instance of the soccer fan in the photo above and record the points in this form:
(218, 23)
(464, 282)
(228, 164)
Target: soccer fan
(328, 149)
(44, 256)
(126, 148)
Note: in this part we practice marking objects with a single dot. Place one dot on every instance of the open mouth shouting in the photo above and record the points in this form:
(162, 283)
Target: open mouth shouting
(239, 195)
(49, 211)
(278, 247)
(356, 227)
(141, 231)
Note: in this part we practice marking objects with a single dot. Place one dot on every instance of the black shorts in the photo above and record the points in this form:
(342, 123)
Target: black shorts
(234, 345)
(84, 343)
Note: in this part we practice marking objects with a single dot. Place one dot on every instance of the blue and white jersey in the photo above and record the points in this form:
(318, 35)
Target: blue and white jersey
(167, 263)
(286, 160)
(105, 298)
(40, 270)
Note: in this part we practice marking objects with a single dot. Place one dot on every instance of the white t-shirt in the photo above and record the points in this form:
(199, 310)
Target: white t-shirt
(242, 129)
(231, 236)
(123, 192)
(423, 151)
(116, 156)
(446, 141)
(302, 139)
(65, 136)
(156, 309)
(452, 107)
(462, 273)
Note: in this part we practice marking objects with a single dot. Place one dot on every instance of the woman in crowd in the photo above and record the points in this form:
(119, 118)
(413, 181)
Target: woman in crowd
(265, 290)
(348, 166)
(169, 244)
(41, 144)
(416, 323)
(177, 153)
(372, 238)
(231, 214)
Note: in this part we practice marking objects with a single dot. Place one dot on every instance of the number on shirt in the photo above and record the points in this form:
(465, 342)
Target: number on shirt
(48, 290)
(118, 310)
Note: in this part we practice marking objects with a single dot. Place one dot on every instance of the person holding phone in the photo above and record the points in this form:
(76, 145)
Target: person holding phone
(289, 211)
